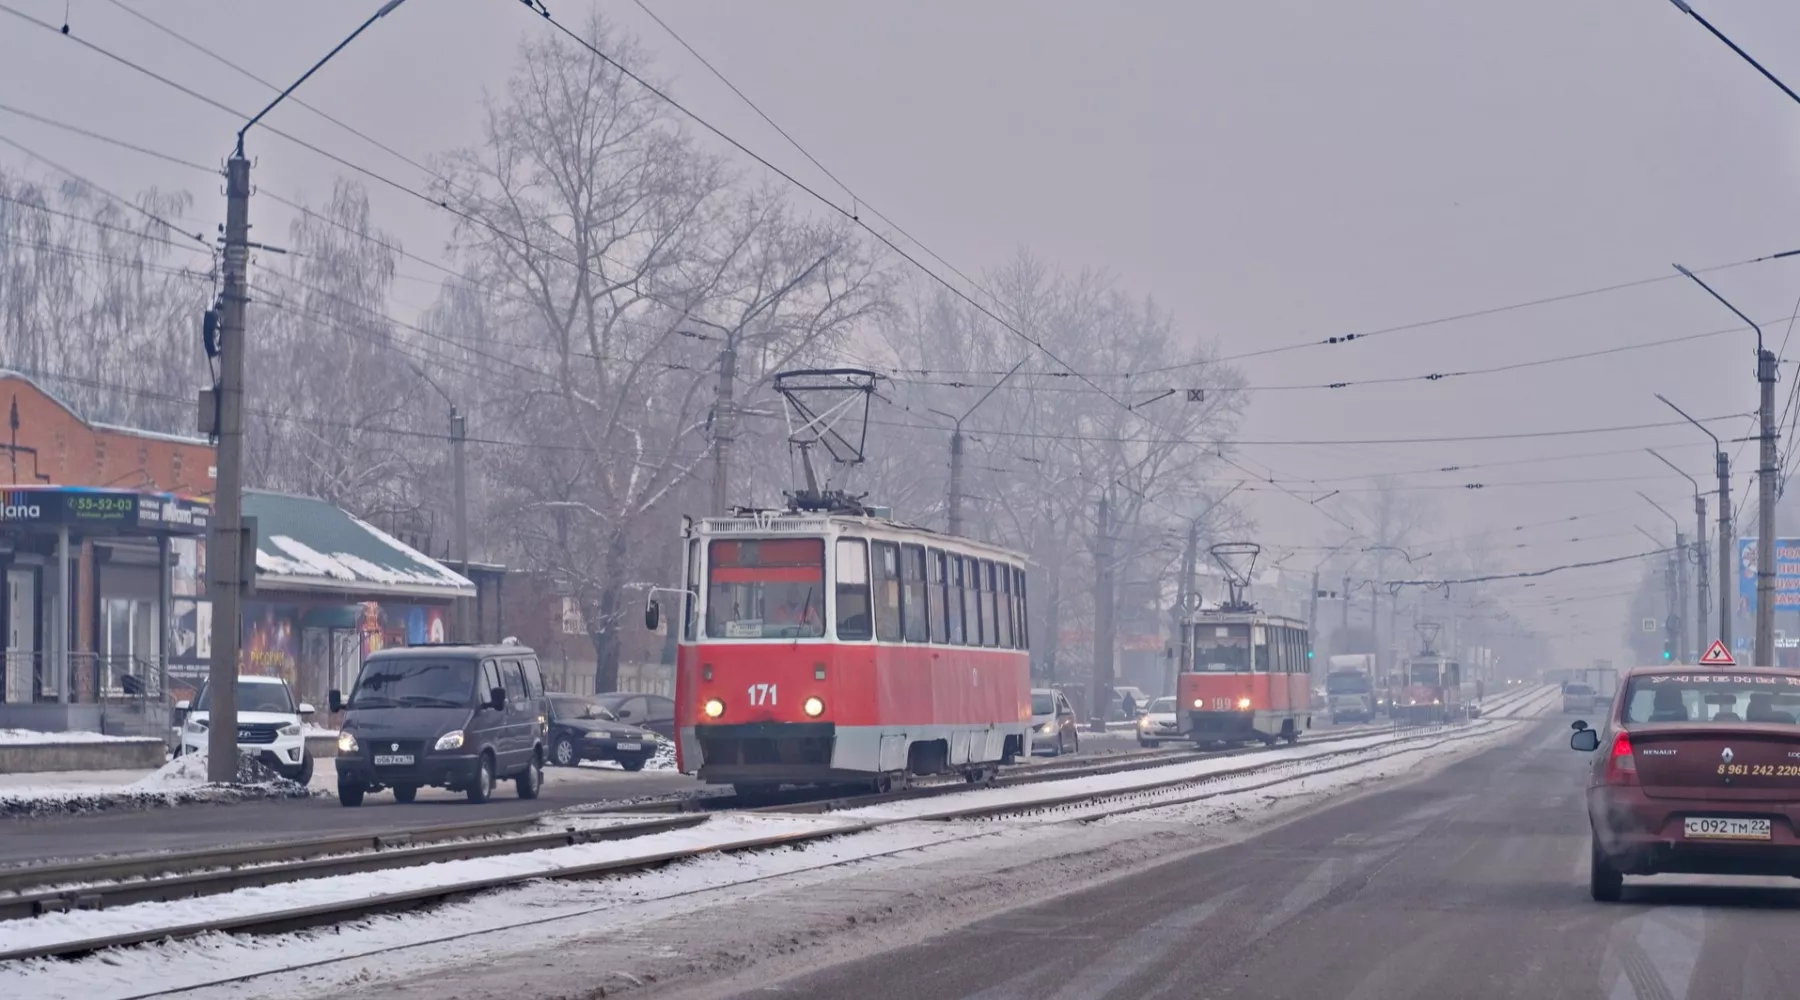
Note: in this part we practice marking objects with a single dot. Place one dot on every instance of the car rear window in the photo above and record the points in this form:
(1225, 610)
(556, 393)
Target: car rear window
(1716, 698)
(1578, 689)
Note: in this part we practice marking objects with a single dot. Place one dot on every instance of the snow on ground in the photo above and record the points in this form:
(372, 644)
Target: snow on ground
(723, 832)
(180, 781)
(869, 890)
(1026, 794)
(18, 736)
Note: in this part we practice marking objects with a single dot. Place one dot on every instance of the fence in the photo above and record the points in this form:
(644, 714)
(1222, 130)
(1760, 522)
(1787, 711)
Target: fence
(130, 693)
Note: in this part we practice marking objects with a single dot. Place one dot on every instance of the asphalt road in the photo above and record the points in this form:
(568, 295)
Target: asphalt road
(1472, 883)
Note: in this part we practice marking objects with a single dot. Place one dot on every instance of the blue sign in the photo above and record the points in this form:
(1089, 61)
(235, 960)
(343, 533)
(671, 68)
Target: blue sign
(1787, 575)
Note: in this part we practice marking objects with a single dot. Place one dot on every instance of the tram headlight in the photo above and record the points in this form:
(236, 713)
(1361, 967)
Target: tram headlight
(713, 708)
(1243, 704)
(1199, 702)
(813, 706)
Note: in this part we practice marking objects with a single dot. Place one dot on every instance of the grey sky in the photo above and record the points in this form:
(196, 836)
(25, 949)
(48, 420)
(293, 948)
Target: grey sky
(1274, 172)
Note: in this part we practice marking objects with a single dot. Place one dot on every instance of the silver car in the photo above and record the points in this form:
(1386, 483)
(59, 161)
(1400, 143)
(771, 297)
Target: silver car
(1158, 723)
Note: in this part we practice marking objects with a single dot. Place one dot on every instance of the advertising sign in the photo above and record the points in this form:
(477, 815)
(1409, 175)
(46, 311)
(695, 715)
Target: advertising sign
(1787, 575)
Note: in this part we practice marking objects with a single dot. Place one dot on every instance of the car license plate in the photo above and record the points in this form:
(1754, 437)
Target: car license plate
(393, 759)
(630, 746)
(1717, 828)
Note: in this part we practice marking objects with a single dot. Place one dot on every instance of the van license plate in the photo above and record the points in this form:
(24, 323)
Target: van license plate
(630, 746)
(393, 759)
(1715, 828)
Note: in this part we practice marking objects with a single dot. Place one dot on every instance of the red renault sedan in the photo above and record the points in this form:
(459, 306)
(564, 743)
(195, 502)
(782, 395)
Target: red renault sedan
(1696, 771)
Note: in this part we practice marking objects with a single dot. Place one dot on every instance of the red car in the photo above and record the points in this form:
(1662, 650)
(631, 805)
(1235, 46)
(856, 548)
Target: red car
(1697, 771)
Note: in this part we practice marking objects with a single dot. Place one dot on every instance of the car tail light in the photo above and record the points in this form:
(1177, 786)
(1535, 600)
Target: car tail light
(1621, 764)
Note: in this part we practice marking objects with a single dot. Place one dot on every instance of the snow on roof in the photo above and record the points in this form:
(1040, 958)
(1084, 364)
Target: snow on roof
(309, 543)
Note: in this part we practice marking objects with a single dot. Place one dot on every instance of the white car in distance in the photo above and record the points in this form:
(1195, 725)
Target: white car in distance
(269, 725)
(1158, 723)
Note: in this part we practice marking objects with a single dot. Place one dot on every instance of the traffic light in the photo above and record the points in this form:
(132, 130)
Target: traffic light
(1668, 650)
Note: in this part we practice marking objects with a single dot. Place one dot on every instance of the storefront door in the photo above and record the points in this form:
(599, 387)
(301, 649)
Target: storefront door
(21, 635)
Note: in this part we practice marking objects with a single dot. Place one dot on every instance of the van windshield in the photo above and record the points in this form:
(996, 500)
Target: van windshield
(415, 682)
(1043, 703)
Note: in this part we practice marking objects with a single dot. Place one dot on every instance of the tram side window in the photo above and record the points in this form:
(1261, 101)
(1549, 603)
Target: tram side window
(989, 631)
(971, 602)
(912, 594)
(690, 613)
(1003, 609)
(953, 597)
(853, 590)
(1260, 641)
(1024, 635)
(934, 595)
(887, 591)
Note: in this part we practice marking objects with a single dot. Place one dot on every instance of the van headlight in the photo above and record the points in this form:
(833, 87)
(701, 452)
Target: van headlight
(291, 729)
(347, 743)
(452, 740)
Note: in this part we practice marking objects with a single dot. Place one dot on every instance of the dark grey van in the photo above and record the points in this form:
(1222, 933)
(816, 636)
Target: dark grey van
(451, 716)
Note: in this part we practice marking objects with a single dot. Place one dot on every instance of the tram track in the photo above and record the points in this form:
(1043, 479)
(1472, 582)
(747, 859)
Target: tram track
(36, 890)
(1099, 803)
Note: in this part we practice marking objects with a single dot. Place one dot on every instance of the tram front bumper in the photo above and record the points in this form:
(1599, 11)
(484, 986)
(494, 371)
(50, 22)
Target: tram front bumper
(1219, 727)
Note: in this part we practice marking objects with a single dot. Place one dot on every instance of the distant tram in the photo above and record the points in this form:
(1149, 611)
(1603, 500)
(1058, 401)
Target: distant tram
(1245, 675)
(1431, 685)
(844, 647)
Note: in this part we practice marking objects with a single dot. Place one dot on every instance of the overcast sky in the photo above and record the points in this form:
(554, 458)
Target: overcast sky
(1275, 172)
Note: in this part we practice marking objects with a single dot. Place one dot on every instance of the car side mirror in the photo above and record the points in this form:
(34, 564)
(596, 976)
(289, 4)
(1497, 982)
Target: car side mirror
(1585, 740)
(652, 615)
(307, 709)
(497, 699)
(335, 700)
(184, 705)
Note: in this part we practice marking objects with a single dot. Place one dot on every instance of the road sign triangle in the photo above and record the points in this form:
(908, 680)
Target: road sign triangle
(1717, 656)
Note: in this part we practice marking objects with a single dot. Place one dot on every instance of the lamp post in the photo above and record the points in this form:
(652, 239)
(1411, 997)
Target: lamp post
(459, 433)
(1722, 467)
(230, 562)
(1701, 602)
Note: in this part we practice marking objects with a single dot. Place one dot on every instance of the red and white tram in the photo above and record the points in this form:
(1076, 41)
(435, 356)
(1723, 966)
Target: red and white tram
(1431, 691)
(1247, 676)
(825, 648)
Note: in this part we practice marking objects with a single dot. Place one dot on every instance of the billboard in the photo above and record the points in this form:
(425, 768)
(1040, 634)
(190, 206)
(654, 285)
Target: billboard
(1787, 575)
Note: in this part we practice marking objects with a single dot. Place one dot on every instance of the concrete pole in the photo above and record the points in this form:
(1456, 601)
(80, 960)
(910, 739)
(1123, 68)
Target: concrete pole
(459, 434)
(1701, 602)
(1727, 545)
(956, 481)
(1763, 654)
(224, 558)
(1101, 693)
(724, 428)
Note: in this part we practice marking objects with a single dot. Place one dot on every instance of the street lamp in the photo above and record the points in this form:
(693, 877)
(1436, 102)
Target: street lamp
(1763, 649)
(956, 448)
(1700, 600)
(459, 435)
(231, 572)
(1722, 467)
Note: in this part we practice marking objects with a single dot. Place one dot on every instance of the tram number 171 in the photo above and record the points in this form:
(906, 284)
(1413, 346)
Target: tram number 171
(762, 694)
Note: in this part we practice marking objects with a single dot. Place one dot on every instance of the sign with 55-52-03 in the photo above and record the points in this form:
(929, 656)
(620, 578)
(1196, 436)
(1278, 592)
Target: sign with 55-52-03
(113, 507)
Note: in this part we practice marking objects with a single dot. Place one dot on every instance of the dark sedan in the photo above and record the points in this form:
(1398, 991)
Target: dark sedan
(584, 729)
(646, 711)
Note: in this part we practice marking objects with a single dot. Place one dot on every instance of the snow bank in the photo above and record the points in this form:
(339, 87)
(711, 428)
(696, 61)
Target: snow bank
(18, 736)
(179, 782)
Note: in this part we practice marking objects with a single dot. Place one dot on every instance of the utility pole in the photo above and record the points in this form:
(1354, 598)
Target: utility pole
(1681, 590)
(955, 500)
(1722, 465)
(1102, 693)
(225, 579)
(724, 427)
(956, 480)
(1345, 593)
(1183, 605)
(1701, 603)
(230, 574)
(459, 434)
(1764, 653)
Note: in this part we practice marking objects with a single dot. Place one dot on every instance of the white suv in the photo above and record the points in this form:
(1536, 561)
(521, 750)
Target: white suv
(268, 722)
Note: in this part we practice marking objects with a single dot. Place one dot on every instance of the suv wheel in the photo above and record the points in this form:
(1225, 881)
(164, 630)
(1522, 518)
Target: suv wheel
(564, 752)
(304, 776)
(484, 781)
(350, 796)
(405, 793)
(1605, 883)
(531, 780)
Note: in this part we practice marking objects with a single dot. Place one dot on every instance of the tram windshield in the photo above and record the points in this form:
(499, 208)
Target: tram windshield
(1424, 673)
(1221, 648)
(766, 589)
